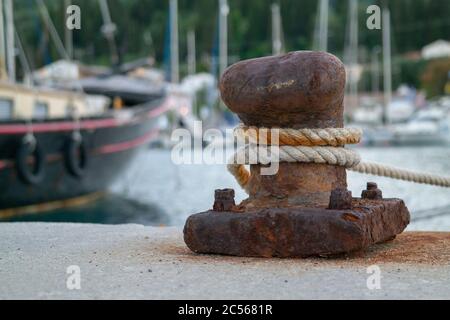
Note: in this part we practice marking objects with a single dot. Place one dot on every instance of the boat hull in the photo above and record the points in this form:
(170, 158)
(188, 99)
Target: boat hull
(111, 144)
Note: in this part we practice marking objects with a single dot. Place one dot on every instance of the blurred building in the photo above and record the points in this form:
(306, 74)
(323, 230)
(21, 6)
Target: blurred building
(437, 49)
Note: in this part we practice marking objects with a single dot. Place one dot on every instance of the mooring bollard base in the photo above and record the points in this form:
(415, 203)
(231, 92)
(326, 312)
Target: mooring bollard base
(296, 231)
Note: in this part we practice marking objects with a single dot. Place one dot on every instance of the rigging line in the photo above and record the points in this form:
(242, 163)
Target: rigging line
(55, 37)
(51, 27)
(22, 56)
(63, 53)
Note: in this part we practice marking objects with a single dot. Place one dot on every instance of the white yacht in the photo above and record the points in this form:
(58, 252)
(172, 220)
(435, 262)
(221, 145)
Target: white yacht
(428, 126)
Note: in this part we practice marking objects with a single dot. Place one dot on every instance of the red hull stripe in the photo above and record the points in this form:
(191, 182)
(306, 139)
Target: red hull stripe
(84, 124)
(106, 149)
(130, 144)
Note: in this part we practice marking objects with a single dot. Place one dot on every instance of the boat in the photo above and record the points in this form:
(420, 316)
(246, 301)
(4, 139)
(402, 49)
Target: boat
(58, 146)
(377, 116)
(129, 84)
(376, 136)
(429, 126)
(47, 155)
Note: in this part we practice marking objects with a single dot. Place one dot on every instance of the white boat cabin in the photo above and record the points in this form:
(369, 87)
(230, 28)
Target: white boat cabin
(19, 102)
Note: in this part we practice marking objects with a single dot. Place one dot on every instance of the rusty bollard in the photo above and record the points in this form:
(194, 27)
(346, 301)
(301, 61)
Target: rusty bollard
(305, 209)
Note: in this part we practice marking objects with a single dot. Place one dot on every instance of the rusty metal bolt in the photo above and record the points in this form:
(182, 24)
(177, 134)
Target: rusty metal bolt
(340, 199)
(224, 200)
(372, 192)
(372, 186)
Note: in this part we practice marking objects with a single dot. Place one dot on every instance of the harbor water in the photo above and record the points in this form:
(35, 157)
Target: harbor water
(155, 191)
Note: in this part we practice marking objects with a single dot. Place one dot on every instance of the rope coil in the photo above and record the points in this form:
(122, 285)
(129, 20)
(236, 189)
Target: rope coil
(334, 137)
(322, 146)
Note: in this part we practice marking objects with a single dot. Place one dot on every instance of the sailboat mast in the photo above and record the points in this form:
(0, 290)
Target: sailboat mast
(276, 30)
(10, 44)
(223, 35)
(375, 70)
(109, 29)
(191, 52)
(2, 44)
(68, 34)
(323, 25)
(387, 65)
(353, 51)
(174, 55)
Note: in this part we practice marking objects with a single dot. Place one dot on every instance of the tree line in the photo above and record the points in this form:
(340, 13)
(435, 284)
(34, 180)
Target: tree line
(142, 28)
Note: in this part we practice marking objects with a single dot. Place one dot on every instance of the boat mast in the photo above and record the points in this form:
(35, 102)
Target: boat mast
(353, 51)
(223, 35)
(277, 44)
(3, 74)
(52, 29)
(10, 44)
(191, 52)
(58, 42)
(68, 35)
(323, 25)
(108, 30)
(375, 65)
(387, 65)
(174, 50)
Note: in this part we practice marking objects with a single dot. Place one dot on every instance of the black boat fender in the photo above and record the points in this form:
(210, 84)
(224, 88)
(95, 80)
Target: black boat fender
(30, 148)
(76, 156)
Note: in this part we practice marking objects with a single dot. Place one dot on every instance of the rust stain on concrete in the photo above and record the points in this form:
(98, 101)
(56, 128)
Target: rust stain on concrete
(410, 248)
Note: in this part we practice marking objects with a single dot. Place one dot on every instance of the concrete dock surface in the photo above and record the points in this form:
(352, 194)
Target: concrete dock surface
(83, 261)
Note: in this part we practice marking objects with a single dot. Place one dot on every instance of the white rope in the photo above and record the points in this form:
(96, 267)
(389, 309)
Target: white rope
(301, 137)
(338, 156)
(382, 170)
(253, 154)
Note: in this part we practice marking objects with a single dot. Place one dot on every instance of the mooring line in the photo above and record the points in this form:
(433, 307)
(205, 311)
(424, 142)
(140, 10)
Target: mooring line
(322, 146)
